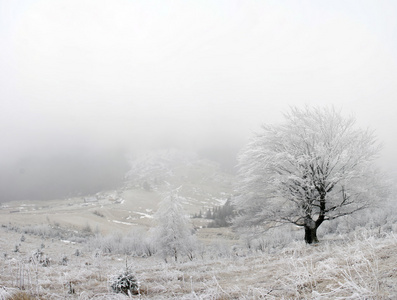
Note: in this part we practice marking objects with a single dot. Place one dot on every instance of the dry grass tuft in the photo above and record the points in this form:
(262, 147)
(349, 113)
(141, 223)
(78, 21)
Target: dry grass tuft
(21, 296)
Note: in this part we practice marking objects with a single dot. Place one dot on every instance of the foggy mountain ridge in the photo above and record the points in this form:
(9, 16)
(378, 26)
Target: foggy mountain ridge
(87, 173)
(61, 175)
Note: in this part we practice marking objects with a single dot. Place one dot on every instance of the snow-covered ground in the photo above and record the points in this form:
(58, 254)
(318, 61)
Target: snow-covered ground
(360, 266)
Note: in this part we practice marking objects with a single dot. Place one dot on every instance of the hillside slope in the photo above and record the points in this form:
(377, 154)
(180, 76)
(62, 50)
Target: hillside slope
(200, 183)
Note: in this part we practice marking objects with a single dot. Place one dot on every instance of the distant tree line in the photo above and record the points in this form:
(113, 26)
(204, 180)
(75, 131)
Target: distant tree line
(221, 216)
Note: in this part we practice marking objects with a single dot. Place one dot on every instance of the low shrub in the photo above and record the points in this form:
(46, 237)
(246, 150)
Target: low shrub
(125, 283)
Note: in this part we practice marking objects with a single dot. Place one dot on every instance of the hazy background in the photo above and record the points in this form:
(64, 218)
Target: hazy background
(85, 82)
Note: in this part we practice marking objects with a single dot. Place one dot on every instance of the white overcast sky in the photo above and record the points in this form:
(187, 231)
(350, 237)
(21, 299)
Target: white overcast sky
(163, 73)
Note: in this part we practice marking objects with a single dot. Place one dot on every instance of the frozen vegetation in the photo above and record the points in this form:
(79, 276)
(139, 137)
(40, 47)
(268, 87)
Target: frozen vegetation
(355, 265)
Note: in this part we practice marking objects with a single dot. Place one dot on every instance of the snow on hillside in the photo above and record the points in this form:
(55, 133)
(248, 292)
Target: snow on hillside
(200, 182)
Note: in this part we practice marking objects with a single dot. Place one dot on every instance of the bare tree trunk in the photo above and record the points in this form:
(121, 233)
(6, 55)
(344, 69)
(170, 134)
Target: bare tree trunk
(310, 231)
(311, 235)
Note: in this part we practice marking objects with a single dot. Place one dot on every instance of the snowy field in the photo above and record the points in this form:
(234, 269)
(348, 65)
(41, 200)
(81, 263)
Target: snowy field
(359, 265)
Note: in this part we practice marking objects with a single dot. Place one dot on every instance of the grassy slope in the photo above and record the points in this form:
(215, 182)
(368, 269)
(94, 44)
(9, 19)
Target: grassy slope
(361, 268)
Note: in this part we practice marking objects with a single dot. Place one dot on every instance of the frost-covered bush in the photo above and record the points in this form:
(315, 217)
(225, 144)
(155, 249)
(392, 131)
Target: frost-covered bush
(219, 248)
(43, 230)
(38, 257)
(379, 219)
(98, 213)
(136, 243)
(271, 240)
(125, 283)
(64, 261)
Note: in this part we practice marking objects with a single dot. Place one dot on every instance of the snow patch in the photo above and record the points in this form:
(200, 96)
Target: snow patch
(124, 223)
(143, 215)
(68, 242)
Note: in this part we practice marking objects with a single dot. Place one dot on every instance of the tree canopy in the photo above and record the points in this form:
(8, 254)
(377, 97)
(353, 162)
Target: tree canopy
(315, 166)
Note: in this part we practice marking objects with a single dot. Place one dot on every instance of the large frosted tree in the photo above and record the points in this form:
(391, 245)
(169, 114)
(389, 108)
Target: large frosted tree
(173, 233)
(315, 166)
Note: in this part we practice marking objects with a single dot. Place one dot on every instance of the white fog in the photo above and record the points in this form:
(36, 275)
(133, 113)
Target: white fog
(82, 77)
(109, 108)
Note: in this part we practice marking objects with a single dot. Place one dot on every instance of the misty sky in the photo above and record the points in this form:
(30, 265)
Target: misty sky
(82, 75)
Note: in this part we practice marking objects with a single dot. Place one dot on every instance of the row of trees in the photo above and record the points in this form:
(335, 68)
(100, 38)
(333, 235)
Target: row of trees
(221, 216)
